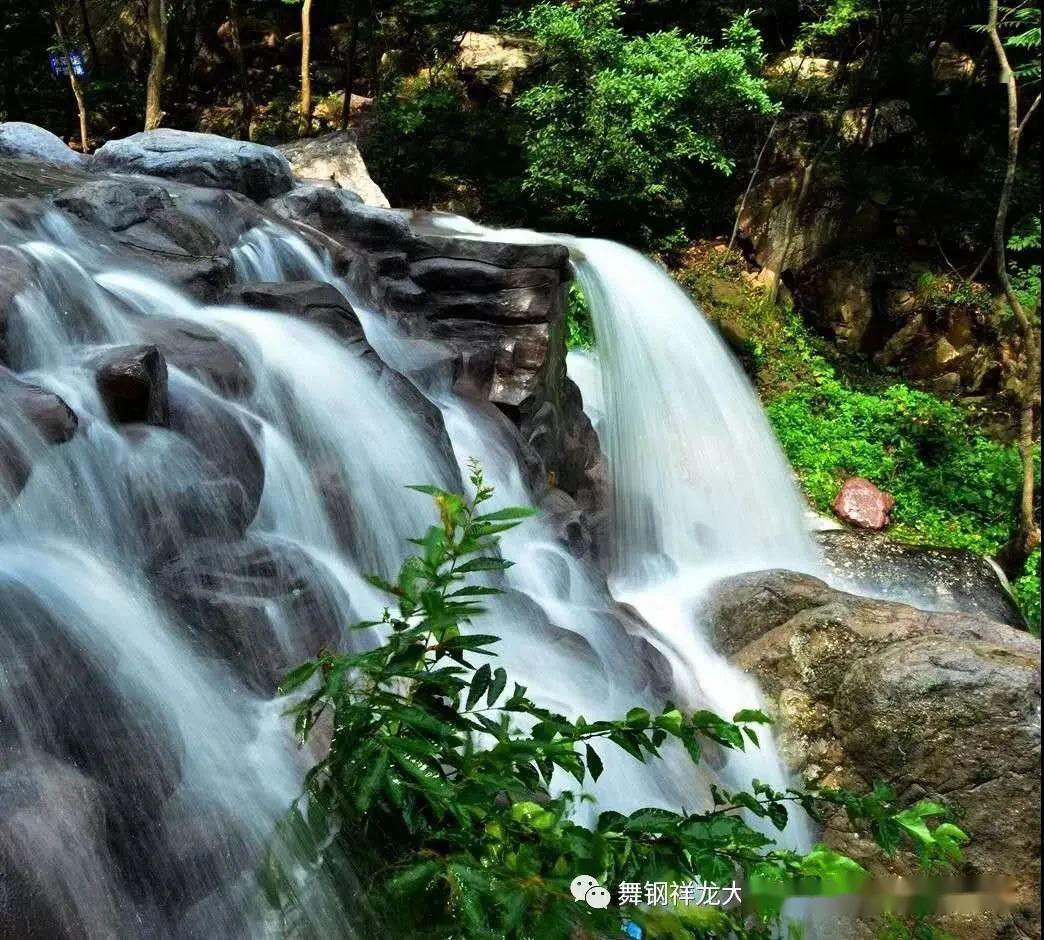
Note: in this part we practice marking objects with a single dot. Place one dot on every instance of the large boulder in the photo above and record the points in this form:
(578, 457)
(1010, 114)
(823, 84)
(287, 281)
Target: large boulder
(200, 352)
(201, 159)
(14, 278)
(263, 606)
(939, 706)
(29, 142)
(31, 419)
(943, 579)
(146, 224)
(132, 382)
(56, 882)
(314, 302)
(334, 158)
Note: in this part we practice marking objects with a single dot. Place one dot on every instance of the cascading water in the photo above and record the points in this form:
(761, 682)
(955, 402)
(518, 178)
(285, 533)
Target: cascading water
(182, 759)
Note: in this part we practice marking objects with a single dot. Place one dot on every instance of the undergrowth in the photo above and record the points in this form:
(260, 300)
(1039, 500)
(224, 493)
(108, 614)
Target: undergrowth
(953, 485)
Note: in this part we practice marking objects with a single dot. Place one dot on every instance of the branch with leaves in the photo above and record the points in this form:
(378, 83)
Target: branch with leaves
(443, 781)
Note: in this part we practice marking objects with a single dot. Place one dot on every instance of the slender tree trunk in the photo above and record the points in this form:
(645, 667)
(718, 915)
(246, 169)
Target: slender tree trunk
(306, 70)
(1027, 535)
(246, 114)
(761, 155)
(157, 29)
(75, 85)
(349, 68)
(375, 56)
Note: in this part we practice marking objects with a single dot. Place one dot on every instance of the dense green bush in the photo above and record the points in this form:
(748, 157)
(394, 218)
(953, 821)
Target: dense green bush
(625, 134)
(436, 785)
(952, 485)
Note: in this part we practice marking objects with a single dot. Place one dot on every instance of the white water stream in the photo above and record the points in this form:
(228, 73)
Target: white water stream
(701, 490)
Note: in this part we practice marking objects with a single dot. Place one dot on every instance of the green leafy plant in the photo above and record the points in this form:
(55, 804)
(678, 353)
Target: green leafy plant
(437, 783)
(628, 130)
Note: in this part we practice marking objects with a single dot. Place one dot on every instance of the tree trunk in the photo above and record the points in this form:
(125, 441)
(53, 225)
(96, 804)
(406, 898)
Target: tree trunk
(157, 28)
(349, 68)
(246, 114)
(761, 155)
(74, 84)
(306, 71)
(1027, 533)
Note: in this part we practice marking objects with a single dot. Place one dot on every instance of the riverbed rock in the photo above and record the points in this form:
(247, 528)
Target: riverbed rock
(149, 226)
(56, 883)
(262, 606)
(200, 479)
(861, 503)
(201, 352)
(313, 302)
(31, 418)
(14, 278)
(943, 579)
(207, 160)
(334, 158)
(938, 705)
(132, 382)
(29, 142)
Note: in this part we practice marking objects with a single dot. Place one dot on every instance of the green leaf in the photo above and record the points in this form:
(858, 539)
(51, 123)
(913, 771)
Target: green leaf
(484, 564)
(298, 677)
(511, 512)
(496, 687)
(594, 763)
(371, 780)
(479, 684)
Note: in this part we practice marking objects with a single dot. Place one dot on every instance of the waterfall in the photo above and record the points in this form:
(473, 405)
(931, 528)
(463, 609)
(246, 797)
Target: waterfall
(176, 570)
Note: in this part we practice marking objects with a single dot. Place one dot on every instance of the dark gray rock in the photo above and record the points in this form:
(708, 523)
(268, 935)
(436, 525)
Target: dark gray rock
(149, 225)
(200, 352)
(31, 418)
(200, 159)
(132, 382)
(945, 579)
(29, 142)
(53, 856)
(14, 278)
(312, 301)
(340, 214)
(259, 605)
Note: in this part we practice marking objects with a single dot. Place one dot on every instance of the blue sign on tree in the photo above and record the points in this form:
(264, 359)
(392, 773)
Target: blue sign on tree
(62, 63)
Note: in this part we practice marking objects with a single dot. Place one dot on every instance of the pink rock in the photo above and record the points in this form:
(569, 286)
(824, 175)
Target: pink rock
(862, 504)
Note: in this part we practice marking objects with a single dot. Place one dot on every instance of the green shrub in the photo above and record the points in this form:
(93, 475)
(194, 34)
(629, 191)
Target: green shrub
(436, 784)
(952, 485)
(626, 134)
(1027, 591)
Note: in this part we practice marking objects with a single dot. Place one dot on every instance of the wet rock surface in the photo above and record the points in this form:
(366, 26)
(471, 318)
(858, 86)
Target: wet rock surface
(255, 603)
(938, 705)
(132, 381)
(201, 159)
(31, 419)
(946, 579)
